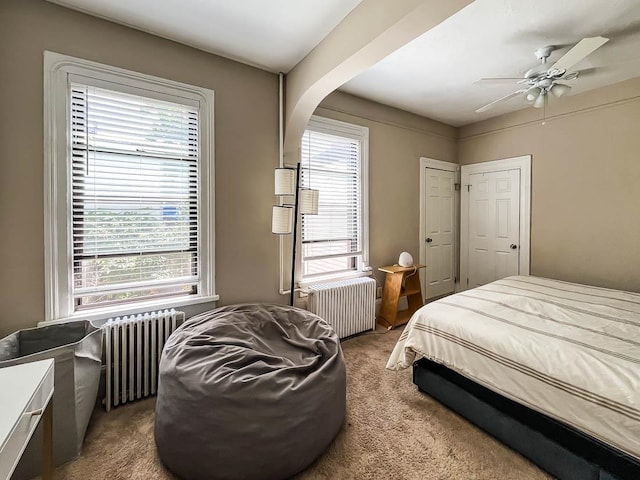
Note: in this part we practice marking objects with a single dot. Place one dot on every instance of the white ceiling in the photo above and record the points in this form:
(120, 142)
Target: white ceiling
(432, 76)
(270, 34)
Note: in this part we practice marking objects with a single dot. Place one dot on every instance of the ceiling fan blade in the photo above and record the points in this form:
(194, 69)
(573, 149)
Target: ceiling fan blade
(506, 97)
(498, 80)
(580, 50)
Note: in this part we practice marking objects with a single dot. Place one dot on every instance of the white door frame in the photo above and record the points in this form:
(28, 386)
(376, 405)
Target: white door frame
(449, 167)
(522, 163)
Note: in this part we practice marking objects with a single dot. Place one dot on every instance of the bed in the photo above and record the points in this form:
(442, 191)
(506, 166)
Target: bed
(534, 360)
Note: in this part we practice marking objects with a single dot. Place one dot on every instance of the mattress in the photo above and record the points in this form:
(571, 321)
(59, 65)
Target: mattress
(569, 351)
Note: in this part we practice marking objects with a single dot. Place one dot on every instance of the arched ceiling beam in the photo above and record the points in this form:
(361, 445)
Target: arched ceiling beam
(372, 31)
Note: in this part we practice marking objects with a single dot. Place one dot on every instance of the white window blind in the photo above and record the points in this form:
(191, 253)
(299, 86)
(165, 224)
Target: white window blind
(332, 241)
(134, 195)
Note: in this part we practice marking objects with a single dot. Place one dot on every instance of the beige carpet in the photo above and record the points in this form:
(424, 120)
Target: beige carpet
(392, 431)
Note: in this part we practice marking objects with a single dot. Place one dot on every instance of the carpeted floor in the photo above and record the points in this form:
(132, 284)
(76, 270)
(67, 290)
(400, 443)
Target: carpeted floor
(392, 431)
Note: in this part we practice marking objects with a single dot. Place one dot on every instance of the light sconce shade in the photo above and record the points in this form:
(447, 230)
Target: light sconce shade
(560, 89)
(540, 101)
(282, 219)
(308, 201)
(285, 181)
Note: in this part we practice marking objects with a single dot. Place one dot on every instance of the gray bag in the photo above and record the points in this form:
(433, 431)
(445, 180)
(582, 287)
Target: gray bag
(249, 392)
(76, 348)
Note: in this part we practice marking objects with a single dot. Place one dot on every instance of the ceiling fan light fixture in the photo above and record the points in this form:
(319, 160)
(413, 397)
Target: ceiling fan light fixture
(539, 103)
(540, 80)
(533, 94)
(559, 89)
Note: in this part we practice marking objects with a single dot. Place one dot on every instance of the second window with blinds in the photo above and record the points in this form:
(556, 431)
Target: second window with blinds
(334, 159)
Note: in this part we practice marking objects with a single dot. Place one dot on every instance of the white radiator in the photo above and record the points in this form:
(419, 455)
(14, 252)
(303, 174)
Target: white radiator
(349, 306)
(133, 345)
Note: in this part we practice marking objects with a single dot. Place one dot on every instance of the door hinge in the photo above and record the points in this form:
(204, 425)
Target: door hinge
(469, 188)
(455, 279)
(467, 281)
(456, 186)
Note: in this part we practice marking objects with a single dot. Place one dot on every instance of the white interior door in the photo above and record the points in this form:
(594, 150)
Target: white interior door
(439, 220)
(494, 226)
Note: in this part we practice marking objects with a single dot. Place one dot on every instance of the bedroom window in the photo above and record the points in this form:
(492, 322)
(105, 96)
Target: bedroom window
(335, 161)
(129, 192)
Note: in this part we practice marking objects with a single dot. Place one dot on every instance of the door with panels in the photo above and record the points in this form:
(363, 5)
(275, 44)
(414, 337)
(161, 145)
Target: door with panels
(439, 220)
(494, 226)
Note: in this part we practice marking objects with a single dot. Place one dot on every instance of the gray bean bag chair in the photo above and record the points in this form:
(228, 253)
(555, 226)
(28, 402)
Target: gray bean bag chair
(249, 392)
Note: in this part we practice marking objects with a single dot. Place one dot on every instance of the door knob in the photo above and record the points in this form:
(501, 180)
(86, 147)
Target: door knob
(513, 246)
(429, 240)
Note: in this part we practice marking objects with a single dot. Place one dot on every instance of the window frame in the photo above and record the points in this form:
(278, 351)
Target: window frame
(359, 133)
(58, 71)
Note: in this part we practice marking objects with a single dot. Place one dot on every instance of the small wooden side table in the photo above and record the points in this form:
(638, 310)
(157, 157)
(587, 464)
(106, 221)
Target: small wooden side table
(400, 282)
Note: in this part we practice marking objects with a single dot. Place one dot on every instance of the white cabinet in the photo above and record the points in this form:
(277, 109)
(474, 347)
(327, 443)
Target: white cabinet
(25, 398)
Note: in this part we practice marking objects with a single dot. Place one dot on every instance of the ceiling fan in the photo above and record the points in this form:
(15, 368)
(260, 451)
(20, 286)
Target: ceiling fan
(543, 79)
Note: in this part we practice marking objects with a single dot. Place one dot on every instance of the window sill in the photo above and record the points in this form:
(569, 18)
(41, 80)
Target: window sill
(131, 309)
(334, 278)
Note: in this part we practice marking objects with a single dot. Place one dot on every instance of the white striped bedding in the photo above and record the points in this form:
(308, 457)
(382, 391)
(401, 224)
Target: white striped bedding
(569, 351)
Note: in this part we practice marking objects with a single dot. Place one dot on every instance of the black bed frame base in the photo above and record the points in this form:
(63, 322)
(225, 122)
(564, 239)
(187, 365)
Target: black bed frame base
(555, 447)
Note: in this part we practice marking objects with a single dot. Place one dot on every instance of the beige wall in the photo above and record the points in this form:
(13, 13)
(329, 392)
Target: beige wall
(246, 148)
(585, 182)
(586, 173)
(397, 140)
